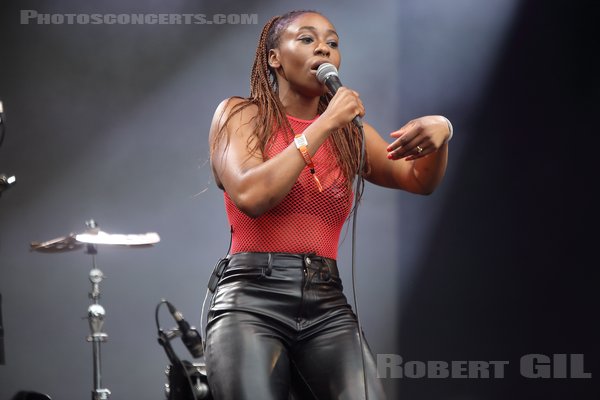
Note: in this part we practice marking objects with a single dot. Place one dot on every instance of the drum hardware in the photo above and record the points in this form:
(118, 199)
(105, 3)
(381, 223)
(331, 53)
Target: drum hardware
(6, 181)
(2, 361)
(89, 240)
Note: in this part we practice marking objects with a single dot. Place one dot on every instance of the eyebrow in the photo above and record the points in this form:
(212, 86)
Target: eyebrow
(312, 28)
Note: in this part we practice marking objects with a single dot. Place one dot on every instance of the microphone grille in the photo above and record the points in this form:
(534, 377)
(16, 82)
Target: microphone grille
(325, 71)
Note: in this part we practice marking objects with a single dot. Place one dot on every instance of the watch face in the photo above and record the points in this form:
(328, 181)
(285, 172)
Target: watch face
(300, 141)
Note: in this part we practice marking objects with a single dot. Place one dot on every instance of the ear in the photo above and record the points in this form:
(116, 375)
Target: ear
(273, 58)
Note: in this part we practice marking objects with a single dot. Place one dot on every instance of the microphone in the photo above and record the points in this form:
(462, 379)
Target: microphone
(189, 335)
(328, 74)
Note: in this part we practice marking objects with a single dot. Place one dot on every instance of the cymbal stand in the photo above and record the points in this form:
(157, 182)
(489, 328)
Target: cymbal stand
(96, 320)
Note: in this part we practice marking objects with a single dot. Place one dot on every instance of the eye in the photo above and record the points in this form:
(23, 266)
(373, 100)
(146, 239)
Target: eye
(306, 39)
(333, 44)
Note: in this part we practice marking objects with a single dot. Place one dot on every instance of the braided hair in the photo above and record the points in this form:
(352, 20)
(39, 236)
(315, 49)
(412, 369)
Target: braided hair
(271, 114)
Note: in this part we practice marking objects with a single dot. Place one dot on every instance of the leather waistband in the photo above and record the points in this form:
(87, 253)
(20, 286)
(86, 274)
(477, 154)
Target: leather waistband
(286, 260)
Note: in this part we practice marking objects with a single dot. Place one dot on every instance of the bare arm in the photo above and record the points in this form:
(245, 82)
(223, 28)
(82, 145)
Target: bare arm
(400, 165)
(255, 185)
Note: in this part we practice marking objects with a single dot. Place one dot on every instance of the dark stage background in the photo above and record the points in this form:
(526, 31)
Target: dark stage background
(110, 122)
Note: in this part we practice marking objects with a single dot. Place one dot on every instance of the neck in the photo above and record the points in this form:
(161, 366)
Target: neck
(299, 106)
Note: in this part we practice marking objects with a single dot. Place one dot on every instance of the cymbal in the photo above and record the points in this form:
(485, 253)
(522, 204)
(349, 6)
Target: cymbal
(100, 237)
(94, 236)
(57, 245)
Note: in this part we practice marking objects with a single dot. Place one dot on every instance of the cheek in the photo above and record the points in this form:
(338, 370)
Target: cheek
(293, 55)
(336, 58)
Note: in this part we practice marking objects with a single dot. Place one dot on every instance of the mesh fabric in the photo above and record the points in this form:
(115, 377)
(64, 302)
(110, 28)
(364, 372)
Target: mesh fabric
(306, 220)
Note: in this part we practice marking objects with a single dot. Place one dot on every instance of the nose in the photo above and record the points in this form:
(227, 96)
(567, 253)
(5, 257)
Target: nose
(322, 49)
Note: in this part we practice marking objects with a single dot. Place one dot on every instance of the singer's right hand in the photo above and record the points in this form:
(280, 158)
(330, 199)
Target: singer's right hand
(343, 107)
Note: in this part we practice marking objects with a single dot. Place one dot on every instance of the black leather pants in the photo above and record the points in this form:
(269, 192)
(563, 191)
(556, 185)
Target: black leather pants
(280, 324)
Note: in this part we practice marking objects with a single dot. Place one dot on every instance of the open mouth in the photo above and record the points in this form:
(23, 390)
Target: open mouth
(316, 64)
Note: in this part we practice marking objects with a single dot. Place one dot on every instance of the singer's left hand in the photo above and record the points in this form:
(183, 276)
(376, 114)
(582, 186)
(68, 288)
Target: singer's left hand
(418, 138)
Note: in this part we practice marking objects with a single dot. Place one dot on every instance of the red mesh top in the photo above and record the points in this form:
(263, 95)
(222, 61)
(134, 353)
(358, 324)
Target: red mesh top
(306, 220)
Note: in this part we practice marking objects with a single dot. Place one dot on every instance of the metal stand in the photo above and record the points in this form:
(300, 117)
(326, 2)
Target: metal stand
(96, 320)
(92, 236)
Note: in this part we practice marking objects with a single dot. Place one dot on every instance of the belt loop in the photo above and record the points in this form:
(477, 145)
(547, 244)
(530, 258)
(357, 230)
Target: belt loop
(269, 265)
(324, 273)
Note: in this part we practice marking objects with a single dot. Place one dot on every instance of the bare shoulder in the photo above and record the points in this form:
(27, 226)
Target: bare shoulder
(232, 128)
(235, 111)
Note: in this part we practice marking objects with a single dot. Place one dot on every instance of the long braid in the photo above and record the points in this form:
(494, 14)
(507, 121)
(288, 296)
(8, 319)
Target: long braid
(271, 114)
(263, 89)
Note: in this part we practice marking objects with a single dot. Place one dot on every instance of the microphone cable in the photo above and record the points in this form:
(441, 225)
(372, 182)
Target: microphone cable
(359, 188)
(218, 269)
